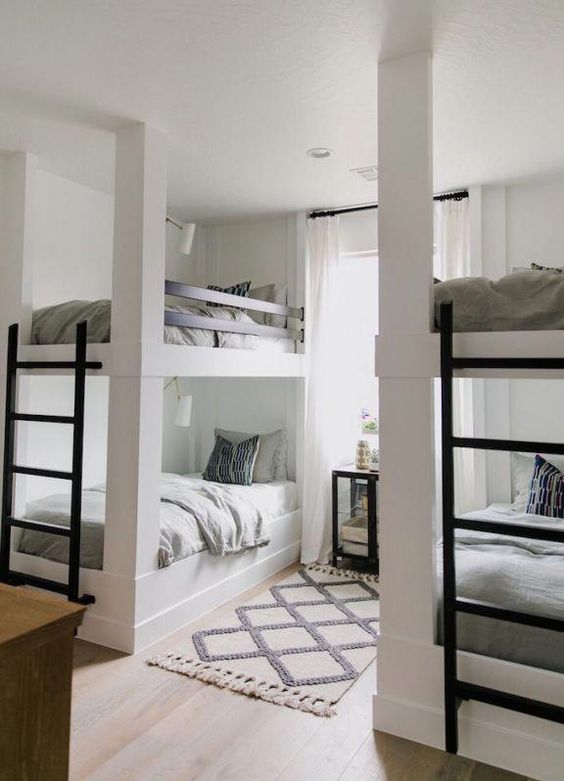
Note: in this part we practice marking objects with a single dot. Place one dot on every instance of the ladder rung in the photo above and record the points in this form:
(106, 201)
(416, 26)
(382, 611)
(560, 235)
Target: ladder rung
(30, 470)
(24, 416)
(40, 526)
(543, 710)
(56, 365)
(23, 579)
(508, 363)
(511, 445)
(490, 610)
(527, 530)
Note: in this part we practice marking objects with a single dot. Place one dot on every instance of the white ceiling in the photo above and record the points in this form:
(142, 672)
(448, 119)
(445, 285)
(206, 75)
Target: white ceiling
(244, 87)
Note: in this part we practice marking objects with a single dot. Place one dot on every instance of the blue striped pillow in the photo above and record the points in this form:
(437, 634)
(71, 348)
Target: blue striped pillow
(232, 462)
(546, 490)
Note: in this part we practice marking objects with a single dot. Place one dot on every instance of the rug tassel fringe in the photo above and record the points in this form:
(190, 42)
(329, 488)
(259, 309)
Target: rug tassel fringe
(225, 678)
(351, 574)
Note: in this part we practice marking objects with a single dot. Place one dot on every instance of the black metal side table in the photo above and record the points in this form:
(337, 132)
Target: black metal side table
(355, 517)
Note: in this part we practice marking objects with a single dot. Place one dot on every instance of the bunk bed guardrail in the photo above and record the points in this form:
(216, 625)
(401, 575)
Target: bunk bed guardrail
(80, 366)
(217, 297)
(456, 690)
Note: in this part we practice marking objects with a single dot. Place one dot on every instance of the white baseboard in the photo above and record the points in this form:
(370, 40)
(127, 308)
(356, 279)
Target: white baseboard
(480, 739)
(111, 634)
(196, 605)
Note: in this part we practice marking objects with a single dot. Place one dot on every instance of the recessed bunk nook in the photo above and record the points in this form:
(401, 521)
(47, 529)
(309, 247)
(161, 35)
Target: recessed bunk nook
(469, 654)
(144, 559)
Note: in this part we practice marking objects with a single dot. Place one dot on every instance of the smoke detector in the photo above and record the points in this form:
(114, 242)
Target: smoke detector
(319, 152)
(368, 172)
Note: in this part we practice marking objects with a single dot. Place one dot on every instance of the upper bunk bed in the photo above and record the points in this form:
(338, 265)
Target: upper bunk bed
(520, 315)
(226, 334)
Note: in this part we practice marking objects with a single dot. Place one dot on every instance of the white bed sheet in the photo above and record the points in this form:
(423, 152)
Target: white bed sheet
(276, 498)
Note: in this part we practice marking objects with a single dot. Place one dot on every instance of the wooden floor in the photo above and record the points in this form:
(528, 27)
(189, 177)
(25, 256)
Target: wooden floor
(141, 723)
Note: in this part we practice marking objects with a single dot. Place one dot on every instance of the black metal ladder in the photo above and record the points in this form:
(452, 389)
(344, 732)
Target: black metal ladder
(455, 690)
(76, 420)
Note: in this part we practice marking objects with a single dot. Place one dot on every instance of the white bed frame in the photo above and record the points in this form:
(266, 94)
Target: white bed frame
(136, 603)
(409, 699)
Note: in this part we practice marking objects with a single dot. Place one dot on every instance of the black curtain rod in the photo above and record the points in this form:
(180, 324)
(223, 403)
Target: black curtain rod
(456, 195)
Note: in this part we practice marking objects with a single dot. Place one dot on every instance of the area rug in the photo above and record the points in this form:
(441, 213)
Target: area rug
(302, 643)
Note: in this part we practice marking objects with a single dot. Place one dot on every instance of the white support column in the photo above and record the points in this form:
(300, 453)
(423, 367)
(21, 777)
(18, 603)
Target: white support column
(405, 225)
(136, 402)
(17, 229)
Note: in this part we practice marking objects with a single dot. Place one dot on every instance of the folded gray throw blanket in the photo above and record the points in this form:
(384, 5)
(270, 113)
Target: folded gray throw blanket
(193, 515)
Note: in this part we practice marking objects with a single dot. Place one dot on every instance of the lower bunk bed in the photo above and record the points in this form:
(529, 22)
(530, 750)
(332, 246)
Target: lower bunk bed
(523, 575)
(215, 541)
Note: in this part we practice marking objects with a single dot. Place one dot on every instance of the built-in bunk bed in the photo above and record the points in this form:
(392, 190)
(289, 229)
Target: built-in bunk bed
(159, 549)
(502, 569)
(412, 678)
(198, 512)
(250, 319)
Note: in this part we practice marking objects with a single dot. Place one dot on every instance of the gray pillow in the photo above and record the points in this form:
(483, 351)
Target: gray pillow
(263, 293)
(276, 294)
(279, 296)
(272, 455)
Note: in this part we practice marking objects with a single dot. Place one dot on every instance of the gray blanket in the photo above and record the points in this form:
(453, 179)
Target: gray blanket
(194, 515)
(520, 574)
(57, 325)
(523, 301)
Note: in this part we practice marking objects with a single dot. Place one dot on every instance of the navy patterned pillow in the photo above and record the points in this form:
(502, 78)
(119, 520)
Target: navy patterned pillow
(546, 490)
(232, 462)
(240, 289)
(538, 267)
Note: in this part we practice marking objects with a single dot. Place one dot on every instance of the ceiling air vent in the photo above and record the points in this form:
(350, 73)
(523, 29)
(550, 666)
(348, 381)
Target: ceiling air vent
(368, 172)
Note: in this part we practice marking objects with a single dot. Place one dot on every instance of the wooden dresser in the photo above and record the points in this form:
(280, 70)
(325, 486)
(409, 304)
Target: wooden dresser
(36, 643)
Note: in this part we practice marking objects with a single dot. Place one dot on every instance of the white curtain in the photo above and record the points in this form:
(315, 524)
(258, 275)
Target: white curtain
(325, 425)
(452, 259)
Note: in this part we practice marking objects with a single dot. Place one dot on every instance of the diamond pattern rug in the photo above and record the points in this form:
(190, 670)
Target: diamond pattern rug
(302, 643)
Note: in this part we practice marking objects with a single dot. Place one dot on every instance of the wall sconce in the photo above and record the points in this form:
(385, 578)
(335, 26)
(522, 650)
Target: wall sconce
(186, 236)
(183, 416)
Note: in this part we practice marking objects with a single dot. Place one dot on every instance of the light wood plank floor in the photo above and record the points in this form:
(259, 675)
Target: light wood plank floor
(141, 723)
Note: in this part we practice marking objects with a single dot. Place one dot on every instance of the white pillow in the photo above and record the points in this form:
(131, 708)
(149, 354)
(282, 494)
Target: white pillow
(272, 455)
(522, 466)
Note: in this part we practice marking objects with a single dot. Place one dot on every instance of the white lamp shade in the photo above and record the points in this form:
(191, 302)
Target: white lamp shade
(186, 238)
(183, 415)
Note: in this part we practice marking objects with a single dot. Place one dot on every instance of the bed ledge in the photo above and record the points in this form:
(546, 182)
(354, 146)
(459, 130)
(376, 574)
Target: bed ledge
(418, 354)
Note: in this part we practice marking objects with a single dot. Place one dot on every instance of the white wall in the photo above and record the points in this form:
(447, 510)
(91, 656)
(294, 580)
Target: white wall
(262, 250)
(74, 242)
(256, 250)
(253, 405)
(73, 259)
(50, 445)
(521, 223)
